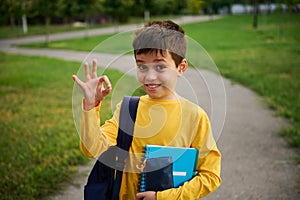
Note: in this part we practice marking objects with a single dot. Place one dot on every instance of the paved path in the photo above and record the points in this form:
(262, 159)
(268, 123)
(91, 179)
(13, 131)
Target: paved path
(256, 162)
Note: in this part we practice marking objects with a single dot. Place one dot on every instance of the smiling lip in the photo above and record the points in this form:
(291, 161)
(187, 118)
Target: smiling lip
(152, 87)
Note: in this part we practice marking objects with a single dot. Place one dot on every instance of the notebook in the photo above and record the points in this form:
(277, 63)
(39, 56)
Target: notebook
(184, 161)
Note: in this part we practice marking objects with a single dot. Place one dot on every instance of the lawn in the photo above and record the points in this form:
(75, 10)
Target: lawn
(110, 43)
(266, 59)
(39, 142)
(38, 138)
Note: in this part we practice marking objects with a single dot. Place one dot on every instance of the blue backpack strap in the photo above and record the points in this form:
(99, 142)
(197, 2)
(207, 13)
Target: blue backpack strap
(126, 127)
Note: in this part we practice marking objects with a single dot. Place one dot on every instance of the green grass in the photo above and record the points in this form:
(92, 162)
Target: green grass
(266, 59)
(38, 139)
(78, 44)
(110, 43)
(39, 142)
(17, 31)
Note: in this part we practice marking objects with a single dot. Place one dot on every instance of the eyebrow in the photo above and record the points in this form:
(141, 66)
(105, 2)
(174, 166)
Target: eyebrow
(155, 60)
(159, 60)
(138, 60)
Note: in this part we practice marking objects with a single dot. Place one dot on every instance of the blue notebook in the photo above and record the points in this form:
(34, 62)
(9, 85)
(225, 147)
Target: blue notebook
(184, 161)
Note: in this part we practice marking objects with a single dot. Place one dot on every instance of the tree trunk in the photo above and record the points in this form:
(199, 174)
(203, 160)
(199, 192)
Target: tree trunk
(255, 14)
(268, 7)
(47, 23)
(281, 23)
(12, 21)
(86, 20)
(24, 24)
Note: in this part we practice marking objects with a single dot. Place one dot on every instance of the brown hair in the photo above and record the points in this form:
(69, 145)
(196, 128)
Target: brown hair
(161, 36)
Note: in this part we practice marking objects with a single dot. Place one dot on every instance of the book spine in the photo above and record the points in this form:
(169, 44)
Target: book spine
(143, 182)
(143, 174)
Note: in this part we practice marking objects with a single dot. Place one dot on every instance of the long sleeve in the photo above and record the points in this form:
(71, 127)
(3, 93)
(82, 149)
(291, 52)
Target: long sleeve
(94, 139)
(165, 122)
(208, 168)
(206, 181)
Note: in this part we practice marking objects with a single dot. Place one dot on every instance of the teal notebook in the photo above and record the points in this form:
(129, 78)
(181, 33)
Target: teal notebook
(184, 161)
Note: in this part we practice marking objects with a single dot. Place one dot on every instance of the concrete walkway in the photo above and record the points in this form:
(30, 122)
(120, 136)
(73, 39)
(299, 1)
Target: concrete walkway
(257, 163)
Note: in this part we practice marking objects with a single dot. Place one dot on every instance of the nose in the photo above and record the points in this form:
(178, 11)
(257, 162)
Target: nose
(151, 75)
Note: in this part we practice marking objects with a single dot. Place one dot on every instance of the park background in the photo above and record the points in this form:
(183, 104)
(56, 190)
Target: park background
(254, 43)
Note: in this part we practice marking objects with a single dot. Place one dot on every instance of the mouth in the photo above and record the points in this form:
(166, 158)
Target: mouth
(152, 87)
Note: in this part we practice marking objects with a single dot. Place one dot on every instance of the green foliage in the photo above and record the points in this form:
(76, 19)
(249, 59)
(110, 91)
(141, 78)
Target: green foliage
(70, 10)
(119, 10)
(11, 9)
(46, 8)
(194, 6)
(163, 7)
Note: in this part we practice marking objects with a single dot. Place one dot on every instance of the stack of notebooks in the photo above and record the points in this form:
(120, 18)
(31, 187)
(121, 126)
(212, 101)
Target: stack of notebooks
(181, 161)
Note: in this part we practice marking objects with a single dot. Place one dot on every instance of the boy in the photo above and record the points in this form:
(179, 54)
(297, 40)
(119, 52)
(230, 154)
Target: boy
(163, 117)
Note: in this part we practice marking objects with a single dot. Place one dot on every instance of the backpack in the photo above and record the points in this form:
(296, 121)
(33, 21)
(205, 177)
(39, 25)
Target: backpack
(104, 181)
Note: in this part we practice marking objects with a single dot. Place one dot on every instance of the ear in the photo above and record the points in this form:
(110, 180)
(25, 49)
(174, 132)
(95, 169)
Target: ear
(182, 67)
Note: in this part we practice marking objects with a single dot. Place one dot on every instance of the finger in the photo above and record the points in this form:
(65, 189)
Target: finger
(86, 71)
(78, 81)
(104, 90)
(141, 195)
(94, 69)
(104, 79)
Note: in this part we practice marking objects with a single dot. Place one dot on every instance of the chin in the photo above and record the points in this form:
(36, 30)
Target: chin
(153, 96)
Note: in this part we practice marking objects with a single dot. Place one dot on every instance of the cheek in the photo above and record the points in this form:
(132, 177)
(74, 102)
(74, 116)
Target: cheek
(169, 77)
(140, 77)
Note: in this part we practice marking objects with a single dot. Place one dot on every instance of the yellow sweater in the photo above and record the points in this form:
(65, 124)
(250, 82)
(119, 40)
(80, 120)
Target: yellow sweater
(161, 122)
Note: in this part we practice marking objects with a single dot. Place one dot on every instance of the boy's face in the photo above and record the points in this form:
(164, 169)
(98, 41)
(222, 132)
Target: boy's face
(158, 74)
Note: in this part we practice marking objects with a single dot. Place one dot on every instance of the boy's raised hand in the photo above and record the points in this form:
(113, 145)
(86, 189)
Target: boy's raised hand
(94, 88)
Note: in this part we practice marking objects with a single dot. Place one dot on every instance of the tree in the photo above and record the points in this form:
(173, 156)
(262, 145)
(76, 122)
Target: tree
(164, 7)
(26, 6)
(149, 4)
(119, 10)
(67, 9)
(214, 6)
(86, 10)
(46, 9)
(194, 6)
(138, 8)
(13, 9)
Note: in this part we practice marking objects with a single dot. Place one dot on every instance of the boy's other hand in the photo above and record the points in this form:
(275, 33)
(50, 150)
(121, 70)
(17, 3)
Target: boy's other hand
(149, 195)
(94, 88)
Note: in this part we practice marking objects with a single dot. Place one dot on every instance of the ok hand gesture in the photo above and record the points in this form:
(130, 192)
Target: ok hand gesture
(94, 88)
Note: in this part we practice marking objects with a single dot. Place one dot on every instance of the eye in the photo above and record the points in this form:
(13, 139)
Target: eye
(160, 67)
(142, 67)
